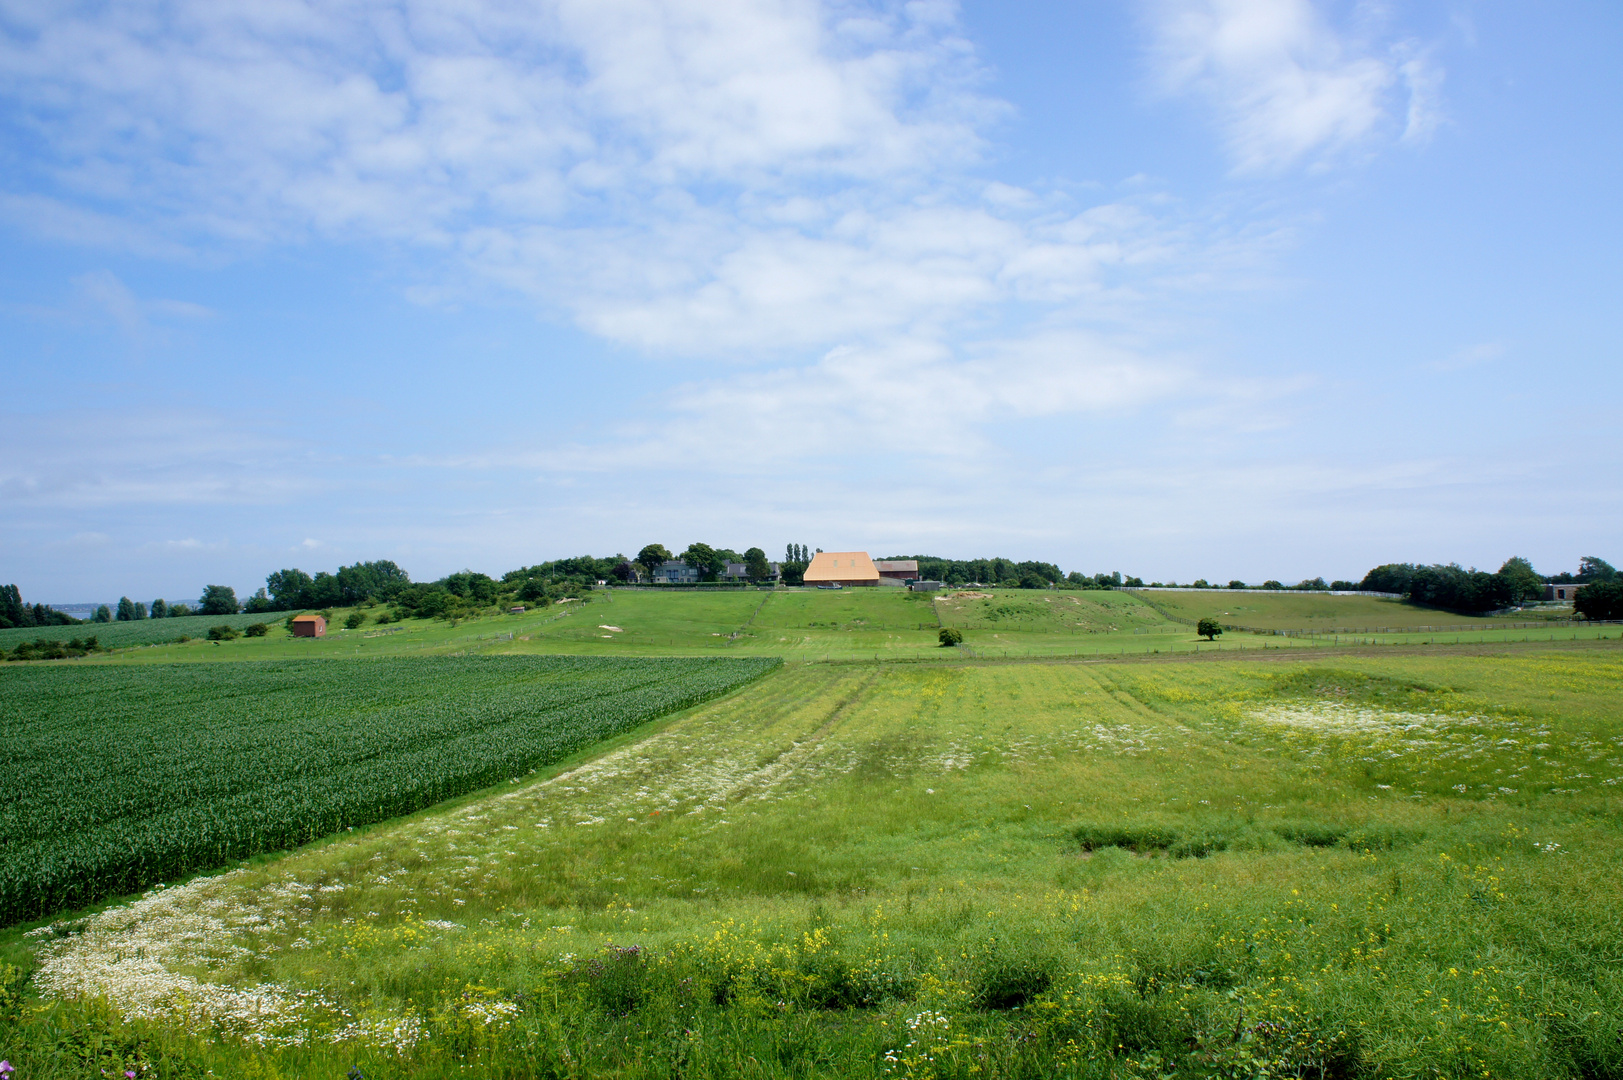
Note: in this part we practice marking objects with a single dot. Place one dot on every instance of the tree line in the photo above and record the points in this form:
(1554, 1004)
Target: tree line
(1451, 587)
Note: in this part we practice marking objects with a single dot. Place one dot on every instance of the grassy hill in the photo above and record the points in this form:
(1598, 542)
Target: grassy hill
(845, 625)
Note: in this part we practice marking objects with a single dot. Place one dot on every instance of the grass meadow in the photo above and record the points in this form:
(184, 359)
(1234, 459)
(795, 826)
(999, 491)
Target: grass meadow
(1310, 611)
(854, 625)
(1371, 864)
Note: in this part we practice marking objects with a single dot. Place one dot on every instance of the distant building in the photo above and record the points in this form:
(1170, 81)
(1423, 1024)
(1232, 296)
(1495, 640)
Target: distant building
(844, 568)
(897, 571)
(309, 626)
(918, 585)
(675, 572)
(737, 571)
(1568, 593)
(516, 609)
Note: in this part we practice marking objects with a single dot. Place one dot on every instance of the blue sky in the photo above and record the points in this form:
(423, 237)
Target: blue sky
(1220, 288)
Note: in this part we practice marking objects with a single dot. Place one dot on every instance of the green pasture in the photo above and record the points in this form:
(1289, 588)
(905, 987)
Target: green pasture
(1362, 865)
(848, 625)
(1302, 611)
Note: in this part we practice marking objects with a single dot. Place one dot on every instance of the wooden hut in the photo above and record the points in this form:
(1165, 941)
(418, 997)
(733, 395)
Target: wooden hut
(309, 626)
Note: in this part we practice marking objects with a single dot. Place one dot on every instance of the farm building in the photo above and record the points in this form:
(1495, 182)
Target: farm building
(842, 568)
(1561, 592)
(309, 626)
(896, 571)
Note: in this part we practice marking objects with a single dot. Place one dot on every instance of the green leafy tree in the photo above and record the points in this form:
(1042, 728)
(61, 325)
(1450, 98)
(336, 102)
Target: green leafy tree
(103, 614)
(650, 557)
(289, 589)
(950, 636)
(179, 611)
(160, 609)
(126, 610)
(1236, 584)
(1521, 582)
(13, 612)
(1389, 577)
(1209, 629)
(218, 600)
(756, 564)
(1600, 600)
(705, 559)
(1595, 568)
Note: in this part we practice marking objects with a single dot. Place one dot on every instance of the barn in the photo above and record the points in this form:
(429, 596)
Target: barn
(309, 626)
(846, 568)
(897, 571)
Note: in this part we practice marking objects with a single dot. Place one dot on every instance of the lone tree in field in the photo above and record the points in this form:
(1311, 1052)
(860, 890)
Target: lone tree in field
(1209, 629)
(950, 635)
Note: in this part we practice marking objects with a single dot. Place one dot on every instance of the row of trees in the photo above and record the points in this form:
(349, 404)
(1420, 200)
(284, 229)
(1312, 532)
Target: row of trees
(1454, 588)
(294, 590)
(15, 613)
(710, 562)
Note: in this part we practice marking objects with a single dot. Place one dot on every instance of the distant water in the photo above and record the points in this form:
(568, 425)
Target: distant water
(81, 611)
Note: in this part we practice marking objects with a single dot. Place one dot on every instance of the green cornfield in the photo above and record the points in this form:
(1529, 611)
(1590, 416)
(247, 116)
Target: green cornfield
(120, 778)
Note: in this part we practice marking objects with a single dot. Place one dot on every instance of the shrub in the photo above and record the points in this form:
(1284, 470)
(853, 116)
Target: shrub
(223, 633)
(356, 620)
(258, 629)
(1009, 977)
(950, 635)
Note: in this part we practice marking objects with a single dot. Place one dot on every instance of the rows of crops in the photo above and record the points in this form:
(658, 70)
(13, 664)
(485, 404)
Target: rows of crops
(118, 778)
(122, 635)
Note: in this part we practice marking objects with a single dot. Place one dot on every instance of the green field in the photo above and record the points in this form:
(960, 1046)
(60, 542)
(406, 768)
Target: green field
(122, 635)
(863, 624)
(121, 777)
(1306, 611)
(1381, 864)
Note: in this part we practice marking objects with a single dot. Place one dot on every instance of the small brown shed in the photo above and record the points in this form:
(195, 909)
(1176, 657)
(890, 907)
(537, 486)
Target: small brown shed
(309, 626)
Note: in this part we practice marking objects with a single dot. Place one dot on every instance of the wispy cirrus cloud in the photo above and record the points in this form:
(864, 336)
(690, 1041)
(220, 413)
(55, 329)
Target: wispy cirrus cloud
(1287, 85)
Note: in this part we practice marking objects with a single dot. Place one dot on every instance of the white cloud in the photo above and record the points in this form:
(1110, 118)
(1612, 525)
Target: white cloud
(1287, 85)
(726, 178)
